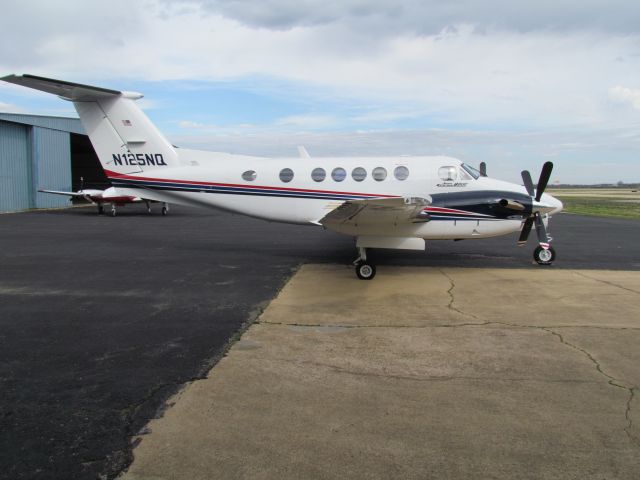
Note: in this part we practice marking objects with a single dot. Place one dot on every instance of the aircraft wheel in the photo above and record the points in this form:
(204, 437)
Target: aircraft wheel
(113, 212)
(164, 210)
(544, 256)
(365, 271)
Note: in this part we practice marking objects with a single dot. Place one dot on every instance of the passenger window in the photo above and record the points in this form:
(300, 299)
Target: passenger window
(379, 174)
(249, 175)
(447, 173)
(359, 174)
(338, 174)
(286, 175)
(318, 174)
(401, 173)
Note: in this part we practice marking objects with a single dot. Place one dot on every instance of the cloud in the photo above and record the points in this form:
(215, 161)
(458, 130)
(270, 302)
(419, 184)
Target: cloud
(625, 95)
(306, 122)
(426, 17)
(475, 72)
(190, 125)
(9, 108)
(349, 65)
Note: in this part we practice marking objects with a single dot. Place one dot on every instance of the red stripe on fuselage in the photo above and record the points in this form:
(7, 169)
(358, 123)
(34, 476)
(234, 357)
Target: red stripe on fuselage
(116, 175)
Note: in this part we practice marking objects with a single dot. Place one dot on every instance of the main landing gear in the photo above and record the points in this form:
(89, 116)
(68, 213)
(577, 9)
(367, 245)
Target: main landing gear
(364, 270)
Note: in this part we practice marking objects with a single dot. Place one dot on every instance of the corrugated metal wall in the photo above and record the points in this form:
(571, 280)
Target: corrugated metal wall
(51, 166)
(15, 169)
(35, 152)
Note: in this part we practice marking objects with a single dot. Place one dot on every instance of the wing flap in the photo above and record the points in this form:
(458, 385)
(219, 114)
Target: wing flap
(378, 211)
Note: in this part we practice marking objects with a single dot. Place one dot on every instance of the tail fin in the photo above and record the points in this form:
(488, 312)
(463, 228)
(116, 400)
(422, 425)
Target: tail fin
(122, 135)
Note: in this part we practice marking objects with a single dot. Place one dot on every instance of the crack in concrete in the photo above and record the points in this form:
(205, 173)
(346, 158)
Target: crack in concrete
(606, 282)
(611, 380)
(435, 325)
(629, 428)
(433, 378)
(452, 298)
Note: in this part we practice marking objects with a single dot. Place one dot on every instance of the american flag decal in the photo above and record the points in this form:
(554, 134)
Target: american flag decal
(126, 123)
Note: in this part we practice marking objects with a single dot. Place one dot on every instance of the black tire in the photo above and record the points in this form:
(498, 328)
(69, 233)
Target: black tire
(365, 271)
(164, 210)
(544, 256)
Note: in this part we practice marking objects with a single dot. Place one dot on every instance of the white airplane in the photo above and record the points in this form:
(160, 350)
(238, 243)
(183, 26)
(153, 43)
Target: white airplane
(385, 202)
(111, 196)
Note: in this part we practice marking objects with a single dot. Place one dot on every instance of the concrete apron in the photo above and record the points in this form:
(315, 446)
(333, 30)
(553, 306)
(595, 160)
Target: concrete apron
(420, 373)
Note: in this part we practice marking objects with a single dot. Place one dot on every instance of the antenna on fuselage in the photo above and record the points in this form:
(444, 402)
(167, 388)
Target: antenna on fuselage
(483, 169)
(303, 152)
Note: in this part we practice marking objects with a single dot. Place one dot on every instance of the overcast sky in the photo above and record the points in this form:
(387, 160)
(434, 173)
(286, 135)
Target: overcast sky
(511, 83)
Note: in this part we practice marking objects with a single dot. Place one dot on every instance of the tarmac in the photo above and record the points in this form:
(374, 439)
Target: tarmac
(445, 373)
(103, 320)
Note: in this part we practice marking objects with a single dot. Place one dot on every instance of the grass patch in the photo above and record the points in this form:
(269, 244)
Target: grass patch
(599, 206)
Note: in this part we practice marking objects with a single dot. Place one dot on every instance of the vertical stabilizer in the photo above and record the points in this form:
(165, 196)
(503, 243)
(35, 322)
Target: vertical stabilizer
(122, 135)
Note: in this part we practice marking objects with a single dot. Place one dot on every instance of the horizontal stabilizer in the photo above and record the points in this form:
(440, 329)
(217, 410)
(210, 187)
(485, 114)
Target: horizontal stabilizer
(58, 192)
(66, 90)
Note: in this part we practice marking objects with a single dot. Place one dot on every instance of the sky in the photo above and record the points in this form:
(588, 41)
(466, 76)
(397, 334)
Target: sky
(510, 83)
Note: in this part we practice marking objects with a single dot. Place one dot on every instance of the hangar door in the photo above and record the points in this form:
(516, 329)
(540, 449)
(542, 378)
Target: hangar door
(85, 164)
(15, 168)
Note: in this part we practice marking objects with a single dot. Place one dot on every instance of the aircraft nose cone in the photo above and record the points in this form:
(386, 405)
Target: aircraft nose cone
(552, 202)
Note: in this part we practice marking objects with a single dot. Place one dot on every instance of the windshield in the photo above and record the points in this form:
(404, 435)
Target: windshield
(471, 171)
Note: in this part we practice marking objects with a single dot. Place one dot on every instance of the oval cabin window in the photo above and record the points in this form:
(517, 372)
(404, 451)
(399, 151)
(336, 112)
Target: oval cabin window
(318, 174)
(286, 175)
(379, 174)
(249, 175)
(359, 174)
(401, 172)
(339, 174)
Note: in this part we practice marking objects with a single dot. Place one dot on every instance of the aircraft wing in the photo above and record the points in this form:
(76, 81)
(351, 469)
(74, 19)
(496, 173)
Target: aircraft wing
(378, 211)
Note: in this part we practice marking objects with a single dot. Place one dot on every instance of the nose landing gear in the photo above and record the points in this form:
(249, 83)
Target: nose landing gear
(364, 270)
(544, 256)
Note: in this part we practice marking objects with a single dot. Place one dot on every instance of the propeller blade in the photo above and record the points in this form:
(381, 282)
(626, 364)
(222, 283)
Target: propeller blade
(528, 183)
(483, 169)
(544, 179)
(543, 239)
(524, 234)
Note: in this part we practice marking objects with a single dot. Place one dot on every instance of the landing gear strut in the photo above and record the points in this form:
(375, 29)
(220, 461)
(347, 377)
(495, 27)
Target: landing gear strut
(165, 208)
(364, 270)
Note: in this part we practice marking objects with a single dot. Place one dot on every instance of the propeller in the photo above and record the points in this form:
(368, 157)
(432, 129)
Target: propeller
(536, 218)
(483, 169)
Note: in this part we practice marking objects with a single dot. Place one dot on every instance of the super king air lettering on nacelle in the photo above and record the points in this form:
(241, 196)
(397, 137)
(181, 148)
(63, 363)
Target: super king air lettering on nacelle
(155, 159)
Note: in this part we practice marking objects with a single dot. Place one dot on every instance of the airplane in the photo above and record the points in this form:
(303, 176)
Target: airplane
(110, 196)
(384, 202)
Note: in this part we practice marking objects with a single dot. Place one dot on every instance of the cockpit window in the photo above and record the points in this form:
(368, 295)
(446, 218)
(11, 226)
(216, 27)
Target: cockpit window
(471, 171)
(448, 173)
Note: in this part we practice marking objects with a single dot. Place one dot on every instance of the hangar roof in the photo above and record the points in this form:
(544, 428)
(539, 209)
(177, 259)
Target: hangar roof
(64, 124)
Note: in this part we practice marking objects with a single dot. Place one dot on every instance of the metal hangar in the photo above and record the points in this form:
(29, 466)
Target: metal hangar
(44, 152)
